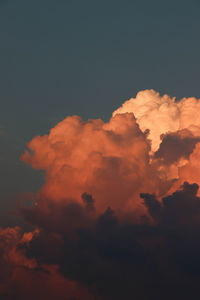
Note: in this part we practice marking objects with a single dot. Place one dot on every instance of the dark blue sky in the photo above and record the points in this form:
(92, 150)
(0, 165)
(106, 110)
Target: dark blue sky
(59, 58)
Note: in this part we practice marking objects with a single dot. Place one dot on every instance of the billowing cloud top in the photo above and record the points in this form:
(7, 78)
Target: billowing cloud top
(118, 216)
(161, 114)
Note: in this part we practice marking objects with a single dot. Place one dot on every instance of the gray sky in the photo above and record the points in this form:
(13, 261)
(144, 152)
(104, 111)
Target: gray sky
(60, 58)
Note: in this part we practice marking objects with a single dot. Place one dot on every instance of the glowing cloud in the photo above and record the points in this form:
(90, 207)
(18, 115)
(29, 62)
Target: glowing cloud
(108, 160)
(161, 114)
(118, 214)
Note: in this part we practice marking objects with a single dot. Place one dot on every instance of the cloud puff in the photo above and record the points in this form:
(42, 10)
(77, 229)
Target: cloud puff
(161, 114)
(108, 160)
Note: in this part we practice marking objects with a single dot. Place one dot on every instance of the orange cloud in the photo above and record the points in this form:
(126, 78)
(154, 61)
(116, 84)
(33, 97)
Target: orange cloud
(46, 283)
(108, 160)
(23, 278)
(91, 221)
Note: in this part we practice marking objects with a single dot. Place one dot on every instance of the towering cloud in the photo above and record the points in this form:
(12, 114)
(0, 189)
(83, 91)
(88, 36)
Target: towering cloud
(118, 216)
(161, 114)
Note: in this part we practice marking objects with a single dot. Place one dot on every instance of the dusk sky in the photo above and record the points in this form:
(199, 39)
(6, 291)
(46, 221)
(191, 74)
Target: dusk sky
(61, 58)
(86, 58)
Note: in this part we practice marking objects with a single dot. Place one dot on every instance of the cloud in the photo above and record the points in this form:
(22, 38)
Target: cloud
(161, 114)
(22, 277)
(118, 214)
(189, 171)
(118, 259)
(176, 146)
(110, 161)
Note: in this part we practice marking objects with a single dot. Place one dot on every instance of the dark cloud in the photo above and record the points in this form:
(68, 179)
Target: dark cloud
(124, 260)
(176, 145)
(61, 217)
(181, 210)
(89, 201)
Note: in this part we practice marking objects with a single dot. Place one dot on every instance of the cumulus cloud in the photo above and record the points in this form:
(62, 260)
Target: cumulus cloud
(159, 114)
(107, 160)
(118, 214)
(162, 114)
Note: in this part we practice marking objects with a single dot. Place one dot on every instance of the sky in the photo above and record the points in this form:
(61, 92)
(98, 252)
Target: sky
(62, 63)
(61, 58)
